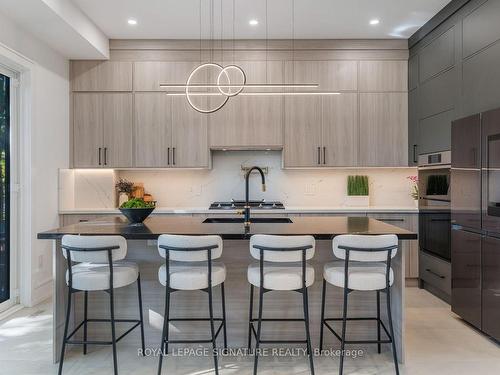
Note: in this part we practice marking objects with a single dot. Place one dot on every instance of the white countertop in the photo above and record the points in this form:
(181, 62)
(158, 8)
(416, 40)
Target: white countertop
(287, 210)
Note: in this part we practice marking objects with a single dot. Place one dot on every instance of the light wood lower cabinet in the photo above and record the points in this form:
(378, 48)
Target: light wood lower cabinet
(410, 248)
(102, 130)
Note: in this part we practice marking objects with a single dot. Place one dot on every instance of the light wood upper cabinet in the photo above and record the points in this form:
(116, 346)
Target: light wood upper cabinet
(302, 131)
(90, 75)
(102, 130)
(189, 135)
(87, 130)
(340, 130)
(149, 74)
(152, 129)
(383, 76)
(331, 75)
(169, 133)
(117, 120)
(383, 129)
(248, 121)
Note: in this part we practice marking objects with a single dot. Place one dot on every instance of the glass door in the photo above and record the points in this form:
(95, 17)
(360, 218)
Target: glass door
(5, 261)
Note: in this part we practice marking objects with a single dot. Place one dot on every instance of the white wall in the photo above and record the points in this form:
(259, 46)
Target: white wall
(46, 145)
(319, 188)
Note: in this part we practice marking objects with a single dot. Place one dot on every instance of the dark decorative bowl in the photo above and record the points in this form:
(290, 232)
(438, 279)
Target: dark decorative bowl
(136, 215)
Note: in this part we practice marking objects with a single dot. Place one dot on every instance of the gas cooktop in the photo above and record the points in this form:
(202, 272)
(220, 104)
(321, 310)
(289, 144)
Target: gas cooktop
(239, 204)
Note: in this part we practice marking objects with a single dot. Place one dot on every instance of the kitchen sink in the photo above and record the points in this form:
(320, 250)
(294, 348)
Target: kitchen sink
(256, 220)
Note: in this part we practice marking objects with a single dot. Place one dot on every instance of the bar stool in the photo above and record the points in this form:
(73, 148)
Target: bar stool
(99, 268)
(366, 266)
(189, 265)
(286, 268)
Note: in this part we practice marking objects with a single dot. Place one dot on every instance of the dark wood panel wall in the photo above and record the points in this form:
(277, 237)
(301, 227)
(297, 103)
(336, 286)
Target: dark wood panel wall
(454, 71)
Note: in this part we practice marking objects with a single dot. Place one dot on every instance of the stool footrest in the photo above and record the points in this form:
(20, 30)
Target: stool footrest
(388, 341)
(196, 341)
(93, 342)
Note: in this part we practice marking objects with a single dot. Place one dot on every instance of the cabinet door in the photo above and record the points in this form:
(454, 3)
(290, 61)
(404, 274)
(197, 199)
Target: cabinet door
(383, 76)
(148, 75)
(152, 130)
(383, 129)
(248, 121)
(189, 135)
(117, 124)
(491, 285)
(302, 131)
(89, 75)
(340, 130)
(87, 130)
(466, 276)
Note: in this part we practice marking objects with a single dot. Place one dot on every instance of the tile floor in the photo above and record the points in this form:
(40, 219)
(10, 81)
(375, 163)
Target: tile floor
(437, 342)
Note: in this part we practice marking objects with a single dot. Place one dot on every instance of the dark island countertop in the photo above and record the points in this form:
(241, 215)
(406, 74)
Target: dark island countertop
(321, 227)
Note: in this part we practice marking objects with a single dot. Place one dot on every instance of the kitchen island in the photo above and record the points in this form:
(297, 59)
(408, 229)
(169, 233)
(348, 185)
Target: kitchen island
(142, 249)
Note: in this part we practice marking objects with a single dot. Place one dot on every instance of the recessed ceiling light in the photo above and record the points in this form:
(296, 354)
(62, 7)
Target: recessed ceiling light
(374, 22)
(132, 21)
(253, 22)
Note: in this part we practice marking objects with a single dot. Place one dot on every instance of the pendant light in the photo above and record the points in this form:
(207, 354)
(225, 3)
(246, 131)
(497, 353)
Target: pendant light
(231, 79)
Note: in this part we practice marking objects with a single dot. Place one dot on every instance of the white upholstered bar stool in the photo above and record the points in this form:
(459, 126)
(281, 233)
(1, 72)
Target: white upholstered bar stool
(282, 265)
(190, 265)
(99, 268)
(365, 266)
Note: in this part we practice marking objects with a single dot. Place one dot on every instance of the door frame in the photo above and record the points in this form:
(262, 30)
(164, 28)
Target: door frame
(22, 235)
(13, 187)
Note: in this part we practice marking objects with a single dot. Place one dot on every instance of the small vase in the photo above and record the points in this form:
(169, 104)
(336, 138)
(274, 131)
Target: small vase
(122, 198)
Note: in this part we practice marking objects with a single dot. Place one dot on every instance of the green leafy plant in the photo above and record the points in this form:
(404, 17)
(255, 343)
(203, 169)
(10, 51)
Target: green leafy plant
(437, 184)
(357, 185)
(137, 203)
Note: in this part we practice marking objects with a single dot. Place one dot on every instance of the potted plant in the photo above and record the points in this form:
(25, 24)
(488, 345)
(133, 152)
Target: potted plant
(136, 210)
(125, 189)
(414, 188)
(357, 191)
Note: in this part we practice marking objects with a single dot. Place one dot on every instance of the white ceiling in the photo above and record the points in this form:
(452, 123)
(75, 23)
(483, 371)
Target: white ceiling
(314, 19)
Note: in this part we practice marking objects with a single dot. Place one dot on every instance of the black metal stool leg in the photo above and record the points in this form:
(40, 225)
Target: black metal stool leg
(85, 310)
(323, 295)
(259, 326)
(113, 332)
(378, 321)
(344, 323)
(391, 329)
(250, 317)
(223, 296)
(308, 334)
(212, 329)
(66, 324)
(139, 293)
(164, 333)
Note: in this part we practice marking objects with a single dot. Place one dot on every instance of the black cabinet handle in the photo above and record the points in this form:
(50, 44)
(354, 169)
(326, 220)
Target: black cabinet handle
(319, 155)
(393, 220)
(168, 156)
(415, 160)
(105, 156)
(99, 155)
(434, 273)
(173, 155)
(324, 155)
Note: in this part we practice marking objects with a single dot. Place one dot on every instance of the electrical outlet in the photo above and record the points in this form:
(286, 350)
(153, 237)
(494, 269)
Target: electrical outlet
(310, 189)
(40, 262)
(196, 190)
(153, 243)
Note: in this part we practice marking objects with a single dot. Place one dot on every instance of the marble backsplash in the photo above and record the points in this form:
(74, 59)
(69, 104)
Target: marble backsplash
(94, 189)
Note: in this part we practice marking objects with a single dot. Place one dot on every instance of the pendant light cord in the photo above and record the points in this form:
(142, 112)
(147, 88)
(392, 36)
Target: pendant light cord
(267, 41)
